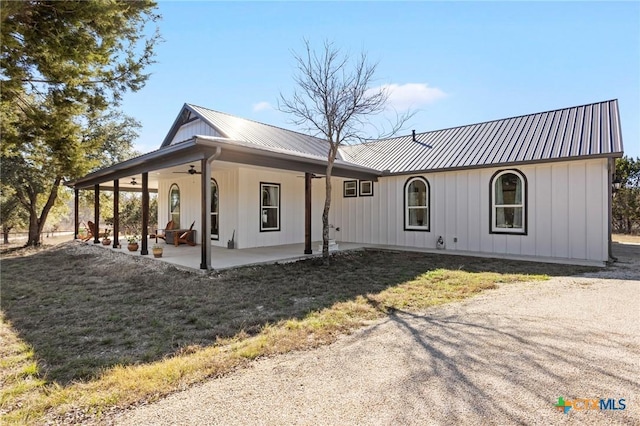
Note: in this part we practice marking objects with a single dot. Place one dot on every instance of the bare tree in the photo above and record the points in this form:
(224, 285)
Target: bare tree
(334, 99)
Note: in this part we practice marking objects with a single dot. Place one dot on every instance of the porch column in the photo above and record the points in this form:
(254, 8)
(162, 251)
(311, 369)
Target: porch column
(96, 213)
(76, 210)
(307, 213)
(145, 213)
(205, 214)
(116, 213)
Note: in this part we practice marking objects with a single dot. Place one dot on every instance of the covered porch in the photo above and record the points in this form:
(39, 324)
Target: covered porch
(197, 158)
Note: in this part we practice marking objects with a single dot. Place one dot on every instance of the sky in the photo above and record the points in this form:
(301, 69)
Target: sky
(452, 63)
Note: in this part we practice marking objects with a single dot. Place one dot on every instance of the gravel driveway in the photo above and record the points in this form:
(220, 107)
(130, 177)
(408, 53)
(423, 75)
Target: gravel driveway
(501, 358)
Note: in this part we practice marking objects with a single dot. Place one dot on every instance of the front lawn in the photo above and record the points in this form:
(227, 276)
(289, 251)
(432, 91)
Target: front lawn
(86, 330)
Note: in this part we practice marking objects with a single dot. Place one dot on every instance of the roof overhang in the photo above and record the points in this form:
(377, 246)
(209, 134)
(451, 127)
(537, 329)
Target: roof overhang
(205, 147)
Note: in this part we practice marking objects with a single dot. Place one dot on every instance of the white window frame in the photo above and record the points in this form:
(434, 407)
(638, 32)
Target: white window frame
(427, 205)
(216, 213)
(363, 193)
(494, 206)
(350, 189)
(263, 208)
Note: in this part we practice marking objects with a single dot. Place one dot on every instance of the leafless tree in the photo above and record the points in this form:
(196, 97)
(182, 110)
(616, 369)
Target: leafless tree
(334, 100)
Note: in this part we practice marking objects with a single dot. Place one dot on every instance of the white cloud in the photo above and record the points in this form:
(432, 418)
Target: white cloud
(261, 106)
(411, 95)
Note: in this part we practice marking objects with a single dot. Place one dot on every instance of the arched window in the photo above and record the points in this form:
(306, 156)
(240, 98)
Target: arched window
(214, 210)
(174, 205)
(508, 202)
(416, 204)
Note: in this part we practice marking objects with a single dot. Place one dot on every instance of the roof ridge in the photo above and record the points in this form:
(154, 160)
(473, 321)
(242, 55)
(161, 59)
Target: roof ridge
(257, 122)
(485, 122)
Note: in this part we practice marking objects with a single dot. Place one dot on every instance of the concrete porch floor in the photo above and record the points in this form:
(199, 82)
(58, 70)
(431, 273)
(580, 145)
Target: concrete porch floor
(223, 258)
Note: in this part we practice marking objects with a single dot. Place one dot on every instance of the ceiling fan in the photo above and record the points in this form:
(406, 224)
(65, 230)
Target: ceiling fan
(133, 181)
(192, 171)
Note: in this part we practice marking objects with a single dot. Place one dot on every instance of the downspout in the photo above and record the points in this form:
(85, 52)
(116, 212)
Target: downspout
(611, 169)
(205, 242)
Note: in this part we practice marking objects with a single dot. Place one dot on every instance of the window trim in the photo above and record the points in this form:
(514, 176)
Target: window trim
(365, 194)
(278, 228)
(405, 206)
(215, 237)
(493, 229)
(344, 189)
(179, 203)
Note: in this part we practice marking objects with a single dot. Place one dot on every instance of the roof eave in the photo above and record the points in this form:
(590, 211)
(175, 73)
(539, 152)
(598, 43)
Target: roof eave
(509, 164)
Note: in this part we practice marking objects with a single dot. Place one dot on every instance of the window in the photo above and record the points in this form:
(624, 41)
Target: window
(416, 204)
(174, 205)
(269, 207)
(366, 188)
(508, 198)
(214, 210)
(350, 188)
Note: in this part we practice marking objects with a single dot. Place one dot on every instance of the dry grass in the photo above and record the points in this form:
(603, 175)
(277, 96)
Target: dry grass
(87, 330)
(626, 238)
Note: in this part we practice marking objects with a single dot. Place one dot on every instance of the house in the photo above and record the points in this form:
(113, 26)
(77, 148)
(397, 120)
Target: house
(537, 186)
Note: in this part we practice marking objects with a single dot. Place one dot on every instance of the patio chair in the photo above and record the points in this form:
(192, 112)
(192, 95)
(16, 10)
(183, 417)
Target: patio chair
(163, 235)
(92, 232)
(186, 237)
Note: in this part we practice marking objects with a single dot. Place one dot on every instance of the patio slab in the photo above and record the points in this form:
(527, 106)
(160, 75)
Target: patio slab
(223, 258)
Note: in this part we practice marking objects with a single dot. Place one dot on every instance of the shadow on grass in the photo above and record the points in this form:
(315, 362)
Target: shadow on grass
(84, 309)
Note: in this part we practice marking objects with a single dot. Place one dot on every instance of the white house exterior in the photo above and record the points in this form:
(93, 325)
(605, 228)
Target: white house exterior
(535, 186)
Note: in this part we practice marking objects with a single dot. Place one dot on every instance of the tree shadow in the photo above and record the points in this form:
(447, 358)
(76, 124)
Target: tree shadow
(504, 368)
(84, 309)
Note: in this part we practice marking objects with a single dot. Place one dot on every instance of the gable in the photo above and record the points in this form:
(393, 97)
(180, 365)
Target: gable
(193, 128)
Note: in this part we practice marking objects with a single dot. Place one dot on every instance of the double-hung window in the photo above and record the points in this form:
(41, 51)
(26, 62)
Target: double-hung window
(416, 204)
(508, 202)
(269, 206)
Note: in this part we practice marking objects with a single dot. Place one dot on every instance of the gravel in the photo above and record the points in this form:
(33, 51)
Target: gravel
(501, 358)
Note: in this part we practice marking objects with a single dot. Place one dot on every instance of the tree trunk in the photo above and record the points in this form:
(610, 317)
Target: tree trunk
(325, 213)
(34, 229)
(5, 234)
(36, 224)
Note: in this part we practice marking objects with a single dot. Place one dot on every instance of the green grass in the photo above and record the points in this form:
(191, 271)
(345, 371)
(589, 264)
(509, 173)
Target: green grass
(86, 330)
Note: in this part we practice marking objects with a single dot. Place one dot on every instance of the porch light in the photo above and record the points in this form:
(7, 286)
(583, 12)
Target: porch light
(616, 184)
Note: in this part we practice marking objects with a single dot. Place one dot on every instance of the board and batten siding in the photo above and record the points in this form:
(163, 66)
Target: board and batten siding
(239, 205)
(291, 208)
(189, 201)
(566, 212)
(189, 130)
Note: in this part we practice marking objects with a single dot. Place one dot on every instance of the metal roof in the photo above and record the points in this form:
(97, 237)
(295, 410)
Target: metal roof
(591, 130)
(260, 134)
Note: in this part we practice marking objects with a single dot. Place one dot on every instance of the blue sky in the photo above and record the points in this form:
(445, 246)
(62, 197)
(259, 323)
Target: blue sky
(455, 63)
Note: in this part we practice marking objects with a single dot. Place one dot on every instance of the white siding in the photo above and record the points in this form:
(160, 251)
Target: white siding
(291, 208)
(227, 204)
(566, 212)
(189, 201)
(196, 127)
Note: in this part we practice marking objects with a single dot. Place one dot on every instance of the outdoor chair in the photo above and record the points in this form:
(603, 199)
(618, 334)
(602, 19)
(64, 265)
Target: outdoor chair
(163, 235)
(92, 232)
(186, 237)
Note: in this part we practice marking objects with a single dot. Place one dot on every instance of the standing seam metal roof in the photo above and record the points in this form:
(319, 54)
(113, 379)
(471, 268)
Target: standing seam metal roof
(580, 131)
(261, 134)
